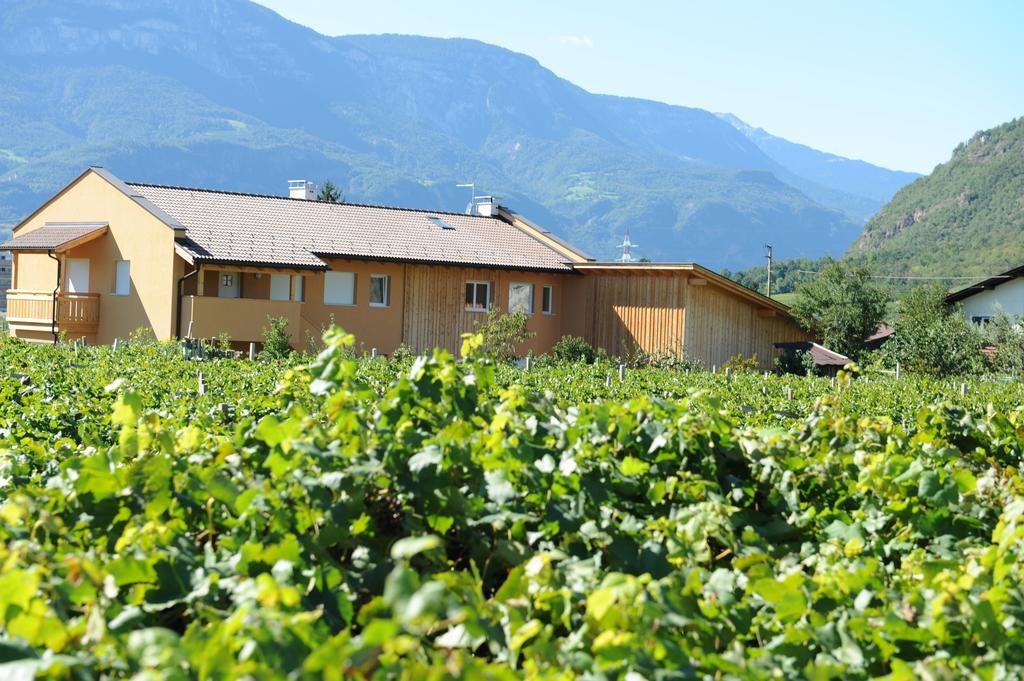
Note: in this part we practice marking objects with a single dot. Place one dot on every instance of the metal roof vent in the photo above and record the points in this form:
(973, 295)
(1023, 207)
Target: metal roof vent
(439, 222)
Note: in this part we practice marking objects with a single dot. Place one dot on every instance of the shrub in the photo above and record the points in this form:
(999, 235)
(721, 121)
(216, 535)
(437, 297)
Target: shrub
(403, 353)
(502, 333)
(672, 357)
(276, 344)
(141, 336)
(573, 349)
(738, 365)
(224, 342)
(1005, 333)
(798, 362)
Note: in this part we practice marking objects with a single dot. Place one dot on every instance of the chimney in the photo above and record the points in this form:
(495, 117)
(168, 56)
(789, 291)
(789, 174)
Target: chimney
(486, 206)
(302, 189)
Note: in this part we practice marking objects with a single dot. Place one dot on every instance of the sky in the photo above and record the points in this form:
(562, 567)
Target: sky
(898, 84)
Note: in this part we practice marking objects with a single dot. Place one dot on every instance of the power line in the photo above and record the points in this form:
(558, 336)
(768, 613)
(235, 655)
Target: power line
(905, 276)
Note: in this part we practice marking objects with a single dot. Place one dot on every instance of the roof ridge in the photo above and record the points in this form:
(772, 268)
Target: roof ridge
(289, 198)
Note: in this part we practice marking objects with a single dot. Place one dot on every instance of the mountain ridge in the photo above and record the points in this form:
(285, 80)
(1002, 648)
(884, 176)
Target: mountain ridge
(969, 212)
(227, 94)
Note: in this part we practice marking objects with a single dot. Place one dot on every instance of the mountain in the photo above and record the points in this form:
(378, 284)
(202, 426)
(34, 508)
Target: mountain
(858, 187)
(965, 219)
(227, 94)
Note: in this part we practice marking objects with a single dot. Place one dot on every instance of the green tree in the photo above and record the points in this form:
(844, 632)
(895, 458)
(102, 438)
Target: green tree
(932, 337)
(841, 307)
(276, 344)
(330, 193)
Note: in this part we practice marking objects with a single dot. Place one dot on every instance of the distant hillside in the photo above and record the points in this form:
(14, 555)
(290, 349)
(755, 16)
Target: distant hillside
(857, 187)
(966, 218)
(226, 93)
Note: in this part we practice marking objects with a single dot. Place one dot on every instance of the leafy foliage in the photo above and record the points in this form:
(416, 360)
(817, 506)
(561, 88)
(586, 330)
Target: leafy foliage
(448, 519)
(798, 362)
(503, 333)
(841, 306)
(787, 274)
(740, 365)
(966, 216)
(276, 343)
(573, 349)
(1006, 336)
(933, 338)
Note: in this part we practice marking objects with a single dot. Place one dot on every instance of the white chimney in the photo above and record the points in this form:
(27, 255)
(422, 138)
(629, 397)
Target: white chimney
(302, 189)
(486, 206)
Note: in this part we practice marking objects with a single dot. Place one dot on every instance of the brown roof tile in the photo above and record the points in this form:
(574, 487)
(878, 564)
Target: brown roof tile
(248, 228)
(52, 236)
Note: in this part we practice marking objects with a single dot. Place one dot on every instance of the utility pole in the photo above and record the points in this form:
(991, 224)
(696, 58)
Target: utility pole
(769, 258)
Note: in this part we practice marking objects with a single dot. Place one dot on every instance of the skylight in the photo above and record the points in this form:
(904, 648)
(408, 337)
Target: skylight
(439, 222)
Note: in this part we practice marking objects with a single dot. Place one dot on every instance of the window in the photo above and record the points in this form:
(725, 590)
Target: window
(122, 278)
(340, 288)
(439, 222)
(380, 290)
(478, 295)
(981, 320)
(297, 284)
(547, 301)
(520, 298)
(280, 287)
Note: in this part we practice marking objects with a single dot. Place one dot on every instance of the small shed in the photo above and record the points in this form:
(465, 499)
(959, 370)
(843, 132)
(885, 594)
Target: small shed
(828, 361)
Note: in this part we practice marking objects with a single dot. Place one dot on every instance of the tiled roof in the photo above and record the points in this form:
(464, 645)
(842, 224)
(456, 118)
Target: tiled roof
(247, 228)
(52, 236)
(985, 285)
(821, 355)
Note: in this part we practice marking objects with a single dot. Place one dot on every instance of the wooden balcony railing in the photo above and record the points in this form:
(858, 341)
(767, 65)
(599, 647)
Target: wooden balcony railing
(30, 307)
(76, 312)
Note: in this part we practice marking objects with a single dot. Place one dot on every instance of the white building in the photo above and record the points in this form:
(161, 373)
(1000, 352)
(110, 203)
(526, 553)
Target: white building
(983, 301)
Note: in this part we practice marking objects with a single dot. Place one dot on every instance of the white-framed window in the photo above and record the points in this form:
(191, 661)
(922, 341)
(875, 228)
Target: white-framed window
(547, 300)
(520, 298)
(340, 288)
(122, 278)
(478, 296)
(280, 287)
(380, 290)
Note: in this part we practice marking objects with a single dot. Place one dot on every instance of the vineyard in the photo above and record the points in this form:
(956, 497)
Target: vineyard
(448, 517)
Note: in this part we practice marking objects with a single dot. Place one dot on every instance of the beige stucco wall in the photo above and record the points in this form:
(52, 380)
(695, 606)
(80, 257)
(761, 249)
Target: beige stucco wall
(134, 235)
(373, 327)
(34, 272)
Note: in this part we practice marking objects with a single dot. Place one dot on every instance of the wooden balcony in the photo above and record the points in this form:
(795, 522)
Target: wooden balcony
(76, 313)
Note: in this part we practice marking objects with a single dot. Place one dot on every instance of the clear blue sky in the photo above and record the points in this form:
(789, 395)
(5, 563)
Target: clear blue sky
(897, 83)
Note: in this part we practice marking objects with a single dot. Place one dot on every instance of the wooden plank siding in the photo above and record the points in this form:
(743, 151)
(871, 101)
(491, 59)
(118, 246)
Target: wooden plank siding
(645, 312)
(435, 312)
(665, 310)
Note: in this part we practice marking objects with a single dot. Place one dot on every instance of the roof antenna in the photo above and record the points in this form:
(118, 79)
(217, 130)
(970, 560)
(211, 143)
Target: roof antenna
(472, 196)
(626, 245)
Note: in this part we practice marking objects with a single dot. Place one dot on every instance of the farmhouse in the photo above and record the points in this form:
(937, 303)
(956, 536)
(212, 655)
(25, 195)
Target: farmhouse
(104, 257)
(983, 300)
